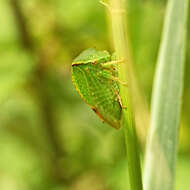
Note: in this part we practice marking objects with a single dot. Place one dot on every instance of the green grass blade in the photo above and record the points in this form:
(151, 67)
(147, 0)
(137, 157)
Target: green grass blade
(161, 149)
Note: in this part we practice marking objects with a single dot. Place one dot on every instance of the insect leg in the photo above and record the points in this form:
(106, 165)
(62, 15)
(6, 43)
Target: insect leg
(119, 81)
(119, 99)
(110, 76)
(114, 62)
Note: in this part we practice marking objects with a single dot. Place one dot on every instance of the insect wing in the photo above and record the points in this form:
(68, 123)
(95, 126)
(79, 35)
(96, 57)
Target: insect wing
(99, 91)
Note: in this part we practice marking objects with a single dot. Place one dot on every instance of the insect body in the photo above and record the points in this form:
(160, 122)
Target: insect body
(94, 77)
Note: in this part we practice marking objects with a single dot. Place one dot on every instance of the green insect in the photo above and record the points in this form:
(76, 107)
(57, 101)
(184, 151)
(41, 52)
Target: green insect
(95, 77)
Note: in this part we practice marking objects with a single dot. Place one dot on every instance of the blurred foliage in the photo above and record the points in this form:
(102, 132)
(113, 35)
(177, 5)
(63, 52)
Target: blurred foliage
(49, 139)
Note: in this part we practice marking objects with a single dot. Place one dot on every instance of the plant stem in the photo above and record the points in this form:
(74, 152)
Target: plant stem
(121, 47)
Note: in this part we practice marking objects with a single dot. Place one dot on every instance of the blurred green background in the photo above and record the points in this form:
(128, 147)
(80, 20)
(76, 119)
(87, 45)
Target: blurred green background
(49, 138)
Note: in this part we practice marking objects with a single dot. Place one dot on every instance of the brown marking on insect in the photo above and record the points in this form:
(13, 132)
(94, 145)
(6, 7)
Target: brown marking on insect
(112, 67)
(98, 114)
(76, 64)
(94, 62)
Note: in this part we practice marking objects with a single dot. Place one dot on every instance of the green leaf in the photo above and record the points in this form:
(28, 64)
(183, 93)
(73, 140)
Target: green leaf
(162, 143)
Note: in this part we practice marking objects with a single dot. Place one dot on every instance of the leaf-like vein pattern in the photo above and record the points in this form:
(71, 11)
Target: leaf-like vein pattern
(99, 90)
